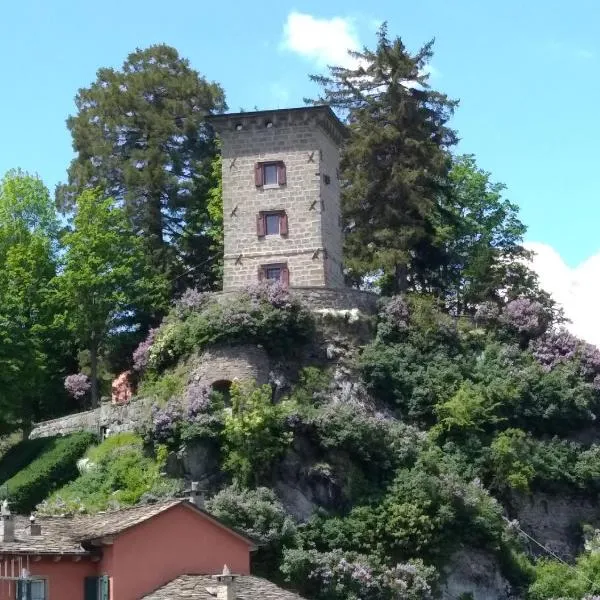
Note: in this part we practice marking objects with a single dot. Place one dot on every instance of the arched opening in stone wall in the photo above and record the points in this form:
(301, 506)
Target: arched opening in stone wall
(223, 388)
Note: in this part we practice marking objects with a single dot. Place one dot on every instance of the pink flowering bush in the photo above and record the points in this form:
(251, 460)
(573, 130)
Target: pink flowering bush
(78, 385)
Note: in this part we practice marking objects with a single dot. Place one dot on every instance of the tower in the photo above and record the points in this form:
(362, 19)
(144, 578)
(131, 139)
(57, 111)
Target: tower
(281, 197)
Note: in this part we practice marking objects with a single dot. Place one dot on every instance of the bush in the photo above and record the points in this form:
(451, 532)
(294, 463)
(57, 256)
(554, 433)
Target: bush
(263, 314)
(336, 575)
(259, 515)
(55, 466)
(20, 455)
(255, 432)
(118, 474)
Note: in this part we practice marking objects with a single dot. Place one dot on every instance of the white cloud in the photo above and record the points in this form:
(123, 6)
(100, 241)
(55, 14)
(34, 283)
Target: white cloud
(324, 41)
(576, 289)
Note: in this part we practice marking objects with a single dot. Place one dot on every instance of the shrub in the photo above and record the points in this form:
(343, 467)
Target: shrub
(141, 355)
(255, 432)
(78, 385)
(336, 575)
(54, 467)
(262, 314)
(525, 317)
(20, 455)
(119, 474)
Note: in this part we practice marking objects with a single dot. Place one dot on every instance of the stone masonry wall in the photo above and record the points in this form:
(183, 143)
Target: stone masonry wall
(297, 142)
(331, 214)
(117, 418)
(228, 363)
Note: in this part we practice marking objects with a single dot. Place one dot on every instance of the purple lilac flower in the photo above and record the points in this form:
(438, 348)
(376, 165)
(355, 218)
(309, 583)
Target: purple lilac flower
(165, 420)
(555, 347)
(526, 317)
(197, 400)
(272, 292)
(78, 385)
(141, 354)
(190, 300)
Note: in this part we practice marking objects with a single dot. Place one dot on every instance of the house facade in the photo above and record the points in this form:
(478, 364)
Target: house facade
(281, 197)
(127, 554)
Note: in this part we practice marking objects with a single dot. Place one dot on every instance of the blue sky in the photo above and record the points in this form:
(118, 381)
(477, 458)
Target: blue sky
(526, 73)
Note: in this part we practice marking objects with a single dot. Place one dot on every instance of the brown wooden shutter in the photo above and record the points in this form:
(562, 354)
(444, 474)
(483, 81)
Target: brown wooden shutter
(285, 276)
(283, 224)
(258, 174)
(260, 225)
(281, 174)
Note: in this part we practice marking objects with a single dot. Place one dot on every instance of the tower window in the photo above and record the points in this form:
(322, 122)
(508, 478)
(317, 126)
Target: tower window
(275, 272)
(270, 174)
(271, 223)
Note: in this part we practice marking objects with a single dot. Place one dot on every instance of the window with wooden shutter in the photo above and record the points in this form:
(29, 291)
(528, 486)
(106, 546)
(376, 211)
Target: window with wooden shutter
(260, 225)
(281, 174)
(258, 174)
(285, 276)
(104, 588)
(283, 224)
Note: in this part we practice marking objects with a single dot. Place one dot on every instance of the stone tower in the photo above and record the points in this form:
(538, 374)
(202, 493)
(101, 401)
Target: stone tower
(281, 197)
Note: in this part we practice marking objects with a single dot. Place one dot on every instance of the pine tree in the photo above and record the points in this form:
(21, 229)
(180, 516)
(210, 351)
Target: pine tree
(396, 161)
(140, 136)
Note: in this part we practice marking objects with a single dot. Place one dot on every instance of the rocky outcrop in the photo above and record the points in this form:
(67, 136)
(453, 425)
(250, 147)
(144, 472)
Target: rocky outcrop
(475, 574)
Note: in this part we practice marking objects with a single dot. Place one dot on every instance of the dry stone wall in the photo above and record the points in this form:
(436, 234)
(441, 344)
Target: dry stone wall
(116, 418)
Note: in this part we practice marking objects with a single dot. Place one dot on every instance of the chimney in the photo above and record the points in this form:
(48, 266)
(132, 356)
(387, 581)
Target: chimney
(35, 529)
(225, 585)
(196, 495)
(7, 523)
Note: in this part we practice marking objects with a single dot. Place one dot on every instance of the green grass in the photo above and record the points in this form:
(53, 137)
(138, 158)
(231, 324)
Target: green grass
(20, 455)
(118, 473)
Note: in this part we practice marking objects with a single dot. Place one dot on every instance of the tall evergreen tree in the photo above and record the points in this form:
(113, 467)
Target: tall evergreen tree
(140, 136)
(396, 161)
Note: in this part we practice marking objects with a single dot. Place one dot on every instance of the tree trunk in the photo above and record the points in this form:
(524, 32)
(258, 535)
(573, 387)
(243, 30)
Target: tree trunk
(401, 278)
(94, 373)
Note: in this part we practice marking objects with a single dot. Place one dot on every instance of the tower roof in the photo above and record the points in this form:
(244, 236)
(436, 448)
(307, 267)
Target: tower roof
(320, 114)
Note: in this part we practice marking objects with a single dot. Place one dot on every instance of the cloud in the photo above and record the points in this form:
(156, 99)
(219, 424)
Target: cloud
(324, 41)
(576, 289)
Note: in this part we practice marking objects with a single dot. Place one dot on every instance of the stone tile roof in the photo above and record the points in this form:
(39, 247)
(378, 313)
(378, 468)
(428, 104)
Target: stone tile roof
(69, 534)
(202, 587)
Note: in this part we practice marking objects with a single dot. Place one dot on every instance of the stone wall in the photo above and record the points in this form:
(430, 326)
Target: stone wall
(319, 298)
(117, 418)
(312, 248)
(233, 362)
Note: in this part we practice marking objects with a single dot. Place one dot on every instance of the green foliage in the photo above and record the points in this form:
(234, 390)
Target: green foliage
(54, 466)
(140, 136)
(241, 319)
(259, 515)
(32, 352)
(393, 174)
(254, 433)
(105, 276)
(115, 473)
(555, 579)
(169, 384)
(20, 455)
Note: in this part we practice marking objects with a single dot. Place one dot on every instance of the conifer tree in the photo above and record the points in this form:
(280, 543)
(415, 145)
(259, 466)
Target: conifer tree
(396, 161)
(140, 136)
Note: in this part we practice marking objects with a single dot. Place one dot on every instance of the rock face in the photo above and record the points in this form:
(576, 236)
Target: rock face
(476, 575)
(554, 520)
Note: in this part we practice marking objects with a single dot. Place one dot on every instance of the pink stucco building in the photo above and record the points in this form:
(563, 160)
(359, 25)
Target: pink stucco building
(128, 554)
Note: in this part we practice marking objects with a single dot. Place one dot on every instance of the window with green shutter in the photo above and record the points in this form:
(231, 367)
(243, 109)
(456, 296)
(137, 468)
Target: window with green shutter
(97, 588)
(31, 589)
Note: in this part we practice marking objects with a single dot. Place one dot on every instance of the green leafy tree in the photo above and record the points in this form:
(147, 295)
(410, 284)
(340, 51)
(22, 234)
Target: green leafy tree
(395, 162)
(32, 352)
(140, 135)
(106, 276)
(254, 434)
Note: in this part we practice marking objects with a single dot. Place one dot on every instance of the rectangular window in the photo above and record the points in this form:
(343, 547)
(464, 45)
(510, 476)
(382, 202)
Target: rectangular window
(277, 272)
(31, 589)
(96, 588)
(271, 223)
(270, 174)
(270, 177)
